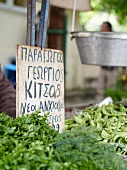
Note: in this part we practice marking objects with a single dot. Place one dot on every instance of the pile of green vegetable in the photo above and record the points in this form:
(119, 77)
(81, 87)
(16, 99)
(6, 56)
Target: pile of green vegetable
(110, 121)
(25, 142)
(28, 142)
(80, 147)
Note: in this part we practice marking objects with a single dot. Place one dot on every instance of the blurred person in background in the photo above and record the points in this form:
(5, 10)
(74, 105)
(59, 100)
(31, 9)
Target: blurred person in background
(108, 74)
(7, 96)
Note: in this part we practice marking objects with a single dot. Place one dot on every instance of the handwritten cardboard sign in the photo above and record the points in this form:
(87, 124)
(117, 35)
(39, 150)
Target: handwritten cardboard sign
(40, 83)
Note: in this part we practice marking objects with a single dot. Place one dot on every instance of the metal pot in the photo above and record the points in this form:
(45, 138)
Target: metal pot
(102, 48)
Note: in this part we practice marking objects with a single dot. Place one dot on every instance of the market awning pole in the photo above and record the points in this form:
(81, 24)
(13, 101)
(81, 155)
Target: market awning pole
(41, 25)
(28, 22)
(73, 16)
(45, 24)
(33, 17)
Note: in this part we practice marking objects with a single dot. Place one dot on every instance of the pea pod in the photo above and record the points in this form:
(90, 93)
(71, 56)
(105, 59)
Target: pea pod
(79, 120)
(110, 121)
(106, 135)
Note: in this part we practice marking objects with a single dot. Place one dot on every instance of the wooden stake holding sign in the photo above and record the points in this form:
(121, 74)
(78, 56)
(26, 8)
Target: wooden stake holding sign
(40, 72)
(40, 83)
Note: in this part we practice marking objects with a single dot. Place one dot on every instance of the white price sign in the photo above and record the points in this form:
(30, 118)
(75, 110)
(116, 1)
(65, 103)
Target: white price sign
(40, 83)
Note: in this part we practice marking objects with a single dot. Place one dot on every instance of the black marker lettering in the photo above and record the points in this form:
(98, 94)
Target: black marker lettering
(40, 89)
(46, 90)
(59, 57)
(45, 73)
(23, 108)
(34, 72)
(40, 72)
(27, 90)
(24, 56)
(52, 91)
(58, 90)
(41, 106)
(57, 75)
(28, 108)
(30, 56)
(39, 56)
(35, 89)
(29, 71)
(35, 53)
(50, 55)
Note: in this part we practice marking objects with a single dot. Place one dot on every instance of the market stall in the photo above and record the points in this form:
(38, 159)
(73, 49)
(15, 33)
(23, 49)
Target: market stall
(95, 139)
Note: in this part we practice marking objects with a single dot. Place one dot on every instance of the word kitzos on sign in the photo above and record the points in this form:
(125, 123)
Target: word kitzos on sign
(40, 83)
